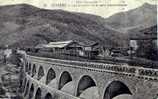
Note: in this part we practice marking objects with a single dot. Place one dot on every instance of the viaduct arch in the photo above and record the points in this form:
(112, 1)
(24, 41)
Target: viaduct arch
(116, 88)
(64, 78)
(48, 96)
(24, 84)
(40, 73)
(50, 75)
(31, 92)
(105, 81)
(29, 68)
(38, 94)
(33, 70)
(26, 89)
(84, 83)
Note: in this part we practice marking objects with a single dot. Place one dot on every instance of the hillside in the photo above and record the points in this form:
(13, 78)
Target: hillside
(24, 26)
(135, 19)
(150, 32)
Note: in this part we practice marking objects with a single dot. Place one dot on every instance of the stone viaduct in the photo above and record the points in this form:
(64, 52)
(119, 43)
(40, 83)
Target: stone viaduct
(47, 78)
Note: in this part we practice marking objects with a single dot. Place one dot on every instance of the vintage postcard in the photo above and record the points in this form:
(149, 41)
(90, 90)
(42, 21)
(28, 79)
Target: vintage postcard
(78, 49)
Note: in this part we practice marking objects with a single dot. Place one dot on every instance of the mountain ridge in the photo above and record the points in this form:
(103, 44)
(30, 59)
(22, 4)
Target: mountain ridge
(24, 25)
(143, 17)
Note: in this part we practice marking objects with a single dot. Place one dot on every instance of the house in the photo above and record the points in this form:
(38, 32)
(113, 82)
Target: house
(69, 47)
(61, 47)
(91, 50)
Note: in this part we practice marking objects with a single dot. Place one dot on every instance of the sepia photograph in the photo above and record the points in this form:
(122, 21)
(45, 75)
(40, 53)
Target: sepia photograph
(78, 49)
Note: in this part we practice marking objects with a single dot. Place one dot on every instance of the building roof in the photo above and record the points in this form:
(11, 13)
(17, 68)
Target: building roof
(60, 44)
(40, 46)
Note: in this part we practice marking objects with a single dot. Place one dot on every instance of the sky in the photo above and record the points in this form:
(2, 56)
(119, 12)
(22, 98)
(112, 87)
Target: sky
(104, 8)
